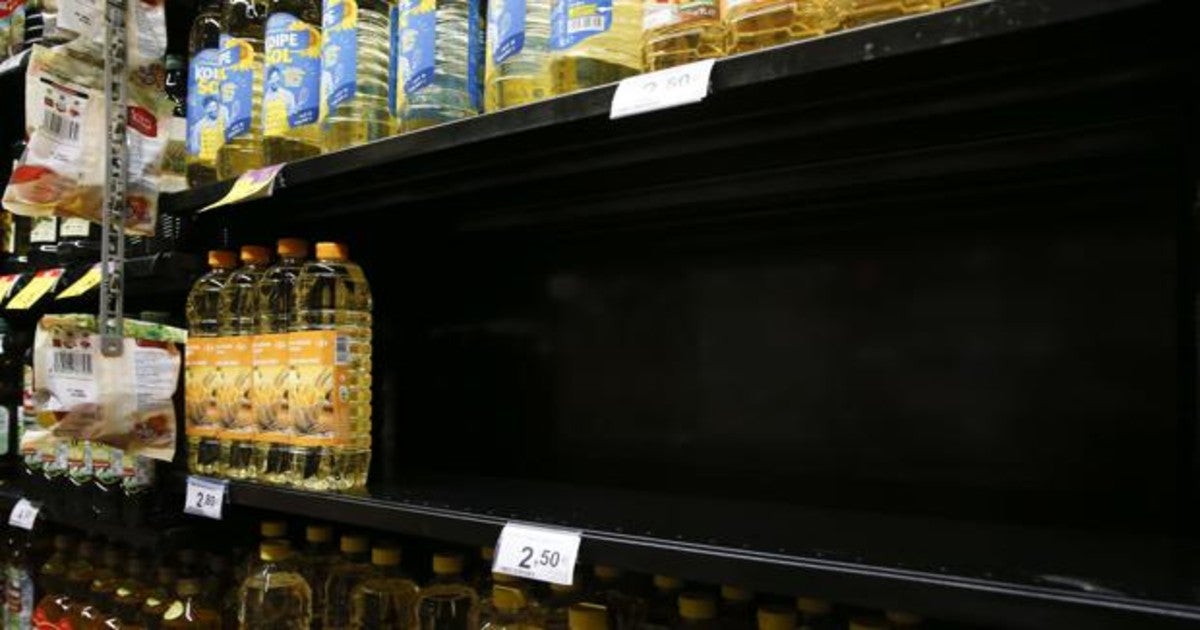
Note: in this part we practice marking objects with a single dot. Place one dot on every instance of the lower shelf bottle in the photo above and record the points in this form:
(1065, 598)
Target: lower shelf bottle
(191, 608)
(448, 602)
(386, 599)
(347, 572)
(274, 596)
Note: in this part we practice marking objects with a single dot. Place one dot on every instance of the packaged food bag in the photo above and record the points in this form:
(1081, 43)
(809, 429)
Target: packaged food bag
(124, 402)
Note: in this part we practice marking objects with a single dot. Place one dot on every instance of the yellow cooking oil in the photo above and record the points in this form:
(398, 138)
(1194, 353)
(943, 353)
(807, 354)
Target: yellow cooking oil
(205, 125)
(447, 602)
(202, 385)
(861, 12)
(274, 596)
(355, 85)
(682, 31)
(291, 100)
(755, 24)
(319, 557)
(385, 600)
(518, 53)
(509, 610)
(191, 608)
(349, 570)
(330, 345)
(439, 57)
(594, 42)
(239, 322)
(276, 294)
(241, 66)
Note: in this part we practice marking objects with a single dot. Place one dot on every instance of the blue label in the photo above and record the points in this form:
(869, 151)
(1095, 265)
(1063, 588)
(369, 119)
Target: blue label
(474, 54)
(292, 77)
(418, 39)
(237, 85)
(506, 28)
(394, 60)
(339, 51)
(572, 21)
(205, 122)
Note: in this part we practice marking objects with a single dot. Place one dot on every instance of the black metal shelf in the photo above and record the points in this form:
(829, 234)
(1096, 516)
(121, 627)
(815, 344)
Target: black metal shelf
(144, 537)
(995, 575)
(154, 276)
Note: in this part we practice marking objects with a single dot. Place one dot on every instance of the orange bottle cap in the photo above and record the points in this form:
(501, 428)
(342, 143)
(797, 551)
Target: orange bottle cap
(291, 247)
(221, 259)
(332, 251)
(255, 254)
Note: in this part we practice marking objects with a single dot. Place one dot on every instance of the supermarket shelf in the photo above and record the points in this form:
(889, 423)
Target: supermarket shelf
(956, 570)
(154, 275)
(141, 537)
(542, 158)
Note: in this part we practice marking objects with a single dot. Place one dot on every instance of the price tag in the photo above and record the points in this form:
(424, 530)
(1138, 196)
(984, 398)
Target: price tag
(204, 497)
(23, 514)
(259, 182)
(537, 553)
(653, 91)
(40, 285)
(85, 283)
(7, 283)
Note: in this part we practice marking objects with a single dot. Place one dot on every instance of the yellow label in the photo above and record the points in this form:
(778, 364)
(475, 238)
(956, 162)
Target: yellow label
(275, 120)
(318, 388)
(41, 284)
(7, 283)
(269, 394)
(253, 184)
(201, 389)
(231, 361)
(89, 279)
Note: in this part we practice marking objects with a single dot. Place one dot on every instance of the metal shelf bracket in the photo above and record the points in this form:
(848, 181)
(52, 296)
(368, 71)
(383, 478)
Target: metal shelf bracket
(116, 173)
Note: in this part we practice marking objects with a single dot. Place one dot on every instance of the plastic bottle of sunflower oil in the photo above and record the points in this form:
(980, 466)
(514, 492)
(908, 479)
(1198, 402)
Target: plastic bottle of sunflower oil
(518, 53)
(755, 24)
(594, 42)
(241, 65)
(355, 72)
(439, 75)
(291, 100)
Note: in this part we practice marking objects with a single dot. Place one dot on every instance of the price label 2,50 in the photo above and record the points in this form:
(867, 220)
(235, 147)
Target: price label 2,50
(23, 514)
(205, 497)
(537, 553)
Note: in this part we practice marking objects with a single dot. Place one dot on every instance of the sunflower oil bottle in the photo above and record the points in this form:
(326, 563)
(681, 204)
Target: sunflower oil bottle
(316, 562)
(554, 610)
(204, 386)
(276, 294)
(274, 596)
(755, 24)
(611, 589)
(488, 610)
(190, 608)
(439, 58)
(448, 602)
(331, 344)
(509, 609)
(350, 570)
(233, 355)
(697, 611)
(682, 31)
(205, 125)
(662, 606)
(355, 67)
(130, 592)
(774, 617)
(54, 607)
(736, 608)
(158, 597)
(594, 42)
(860, 12)
(518, 53)
(812, 613)
(587, 617)
(241, 59)
(291, 100)
(386, 599)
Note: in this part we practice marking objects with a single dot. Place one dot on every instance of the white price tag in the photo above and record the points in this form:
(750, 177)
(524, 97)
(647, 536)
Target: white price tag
(23, 514)
(204, 497)
(537, 553)
(652, 91)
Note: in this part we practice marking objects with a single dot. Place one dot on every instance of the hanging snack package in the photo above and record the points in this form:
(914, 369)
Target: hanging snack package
(125, 402)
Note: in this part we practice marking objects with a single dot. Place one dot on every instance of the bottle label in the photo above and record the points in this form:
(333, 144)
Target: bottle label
(664, 13)
(506, 29)
(74, 227)
(269, 396)
(231, 364)
(237, 68)
(418, 43)
(292, 79)
(395, 84)
(202, 387)
(319, 388)
(205, 118)
(18, 598)
(339, 51)
(572, 21)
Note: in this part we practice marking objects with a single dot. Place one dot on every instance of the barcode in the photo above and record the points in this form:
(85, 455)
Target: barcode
(586, 23)
(341, 350)
(72, 363)
(60, 125)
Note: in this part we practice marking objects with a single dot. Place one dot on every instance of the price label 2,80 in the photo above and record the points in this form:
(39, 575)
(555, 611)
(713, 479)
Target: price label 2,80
(24, 514)
(204, 497)
(537, 553)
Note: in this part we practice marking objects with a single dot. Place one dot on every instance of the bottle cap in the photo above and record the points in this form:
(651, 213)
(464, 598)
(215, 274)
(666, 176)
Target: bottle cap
(561, 589)
(587, 617)
(868, 623)
(667, 583)
(735, 593)
(504, 578)
(447, 563)
(291, 248)
(332, 251)
(272, 529)
(353, 543)
(606, 572)
(275, 549)
(697, 607)
(318, 533)
(776, 618)
(813, 606)
(487, 554)
(255, 254)
(188, 587)
(385, 556)
(902, 619)
(507, 599)
(63, 542)
(221, 259)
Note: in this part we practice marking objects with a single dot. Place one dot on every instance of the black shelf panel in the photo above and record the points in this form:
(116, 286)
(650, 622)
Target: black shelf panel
(142, 537)
(994, 575)
(759, 100)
